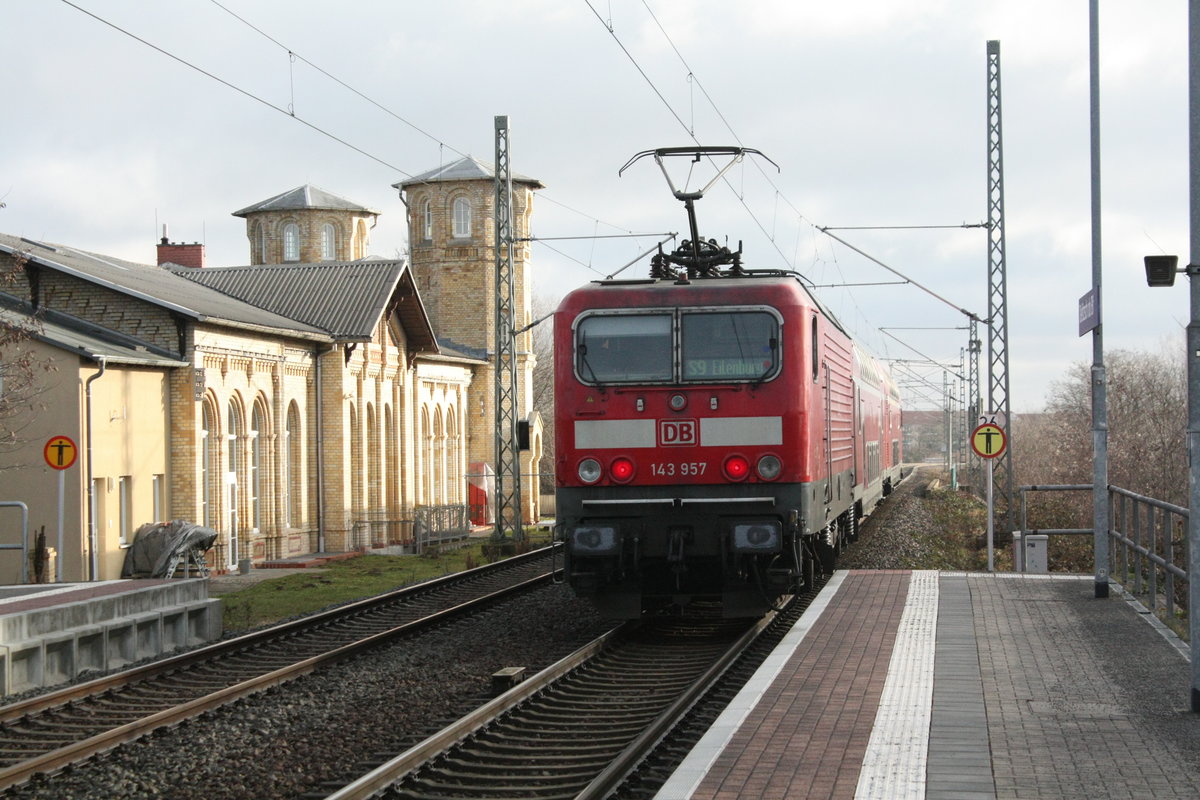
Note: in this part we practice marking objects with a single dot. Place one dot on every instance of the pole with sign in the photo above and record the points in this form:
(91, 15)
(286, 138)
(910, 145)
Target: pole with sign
(989, 442)
(60, 453)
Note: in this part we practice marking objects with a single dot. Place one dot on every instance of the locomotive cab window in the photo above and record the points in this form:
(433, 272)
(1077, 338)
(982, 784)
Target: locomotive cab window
(733, 346)
(680, 346)
(623, 348)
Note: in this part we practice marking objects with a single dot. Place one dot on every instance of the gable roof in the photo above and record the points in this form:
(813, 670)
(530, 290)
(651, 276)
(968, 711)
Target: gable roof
(466, 168)
(347, 299)
(305, 197)
(82, 337)
(159, 286)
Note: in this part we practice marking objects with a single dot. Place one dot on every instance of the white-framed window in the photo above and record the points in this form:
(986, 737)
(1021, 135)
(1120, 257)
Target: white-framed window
(208, 459)
(462, 218)
(328, 242)
(125, 500)
(158, 489)
(291, 242)
(427, 220)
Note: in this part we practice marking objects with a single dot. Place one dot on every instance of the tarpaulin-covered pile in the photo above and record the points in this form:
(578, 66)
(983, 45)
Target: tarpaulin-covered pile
(158, 545)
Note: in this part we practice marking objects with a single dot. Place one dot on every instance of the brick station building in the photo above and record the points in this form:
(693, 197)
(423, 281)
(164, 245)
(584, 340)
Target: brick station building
(312, 400)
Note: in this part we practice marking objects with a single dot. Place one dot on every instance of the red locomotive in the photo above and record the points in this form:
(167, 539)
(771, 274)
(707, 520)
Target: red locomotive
(718, 433)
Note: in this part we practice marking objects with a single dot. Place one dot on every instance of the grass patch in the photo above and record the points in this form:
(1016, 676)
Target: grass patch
(960, 542)
(354, 578)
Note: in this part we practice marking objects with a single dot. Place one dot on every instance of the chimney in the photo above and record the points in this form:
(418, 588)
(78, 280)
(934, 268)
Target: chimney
(185, 255)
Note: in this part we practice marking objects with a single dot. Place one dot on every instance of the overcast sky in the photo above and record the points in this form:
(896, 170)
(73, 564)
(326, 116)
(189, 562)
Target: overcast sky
(875, 112)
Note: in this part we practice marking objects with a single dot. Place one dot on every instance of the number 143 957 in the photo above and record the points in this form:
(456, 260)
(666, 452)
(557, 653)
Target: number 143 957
(680, 469)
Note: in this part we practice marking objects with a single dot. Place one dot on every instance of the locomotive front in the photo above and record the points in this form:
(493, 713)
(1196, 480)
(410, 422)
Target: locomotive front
(681, 452)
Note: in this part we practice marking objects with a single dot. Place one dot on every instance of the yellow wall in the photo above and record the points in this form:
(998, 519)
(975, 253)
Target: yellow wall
(25, 476)
(129, 448)
(129, 439)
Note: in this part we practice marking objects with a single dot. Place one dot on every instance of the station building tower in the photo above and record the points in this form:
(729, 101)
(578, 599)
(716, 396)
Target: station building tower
(451, 224)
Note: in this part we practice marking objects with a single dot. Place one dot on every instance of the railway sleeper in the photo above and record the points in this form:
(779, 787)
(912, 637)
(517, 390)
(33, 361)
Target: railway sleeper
(480, 773)
(595, 745)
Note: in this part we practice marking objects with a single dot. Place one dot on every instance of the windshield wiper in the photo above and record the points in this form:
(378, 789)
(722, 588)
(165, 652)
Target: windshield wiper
(584, 361)
(774, 346)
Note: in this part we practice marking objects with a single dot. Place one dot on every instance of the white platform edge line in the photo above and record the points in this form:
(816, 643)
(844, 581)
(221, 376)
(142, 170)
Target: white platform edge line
(687, 777)
(898, 750)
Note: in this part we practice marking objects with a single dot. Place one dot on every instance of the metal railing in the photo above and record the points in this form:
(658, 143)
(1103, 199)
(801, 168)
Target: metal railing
(413, 528)
(1147, 543)
(1146, 535)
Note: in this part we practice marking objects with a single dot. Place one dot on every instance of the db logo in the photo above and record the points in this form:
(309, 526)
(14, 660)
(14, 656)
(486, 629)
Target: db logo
(677, 432)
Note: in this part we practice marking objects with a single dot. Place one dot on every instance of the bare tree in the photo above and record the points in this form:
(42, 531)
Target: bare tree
(20, 387)
(1147, 424)
(1147, 442)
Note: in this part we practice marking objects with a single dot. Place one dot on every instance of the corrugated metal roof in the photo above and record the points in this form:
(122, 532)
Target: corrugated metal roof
(305, 197)
(346, 299)
(160, 286)
(84, 338)
(465, 169)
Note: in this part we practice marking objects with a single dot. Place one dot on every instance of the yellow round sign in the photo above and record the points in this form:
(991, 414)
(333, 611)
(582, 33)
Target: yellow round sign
(60, 452)
(988, 441)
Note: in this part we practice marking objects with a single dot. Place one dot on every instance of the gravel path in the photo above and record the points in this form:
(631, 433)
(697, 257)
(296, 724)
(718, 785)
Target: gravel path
(318, 727)
(891, 538)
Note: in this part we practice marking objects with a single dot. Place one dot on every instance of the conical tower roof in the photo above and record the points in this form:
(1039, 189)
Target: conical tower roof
(305, 197)
(466, 168)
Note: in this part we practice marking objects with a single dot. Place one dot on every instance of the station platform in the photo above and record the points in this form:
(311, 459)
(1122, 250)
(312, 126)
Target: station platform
(51, 633)
(958, 686)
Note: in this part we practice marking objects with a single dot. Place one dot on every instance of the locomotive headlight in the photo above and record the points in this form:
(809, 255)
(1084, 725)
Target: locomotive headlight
(763, 536)
(769, 467)
(589, 470)
(594, 540)
(677, 402)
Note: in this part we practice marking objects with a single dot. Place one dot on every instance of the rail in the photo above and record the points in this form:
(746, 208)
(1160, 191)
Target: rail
(1148, 538)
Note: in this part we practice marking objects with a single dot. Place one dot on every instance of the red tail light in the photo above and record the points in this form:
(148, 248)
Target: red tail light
(736, 468)
(621, 469)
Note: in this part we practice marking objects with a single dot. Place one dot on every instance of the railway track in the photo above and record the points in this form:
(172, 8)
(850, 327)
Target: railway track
(618, 711)
(48, 732)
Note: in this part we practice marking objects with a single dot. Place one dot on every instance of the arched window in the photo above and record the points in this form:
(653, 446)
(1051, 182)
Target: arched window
(425, 488)
(362, 240)
(259, 256)
(260, 478)
(291, 242)
(328, 242)
(237, 478)
(356, 459)
(209, 456)
(294, 465)
(389, 467)
(462, 218)
(438, 459)
(427, 220)
(374, 467)
(453, 459)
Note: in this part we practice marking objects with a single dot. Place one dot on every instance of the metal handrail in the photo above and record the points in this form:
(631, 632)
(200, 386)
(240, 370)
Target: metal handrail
(1142, 531)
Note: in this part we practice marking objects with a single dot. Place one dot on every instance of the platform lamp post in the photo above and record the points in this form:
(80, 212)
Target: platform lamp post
(1160, 271)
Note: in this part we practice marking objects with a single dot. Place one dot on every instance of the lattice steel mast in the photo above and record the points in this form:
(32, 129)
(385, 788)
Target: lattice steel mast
(973, 410)
(998, 396)
(507, 449)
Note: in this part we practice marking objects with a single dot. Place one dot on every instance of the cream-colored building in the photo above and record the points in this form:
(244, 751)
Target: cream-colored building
(292, 406)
